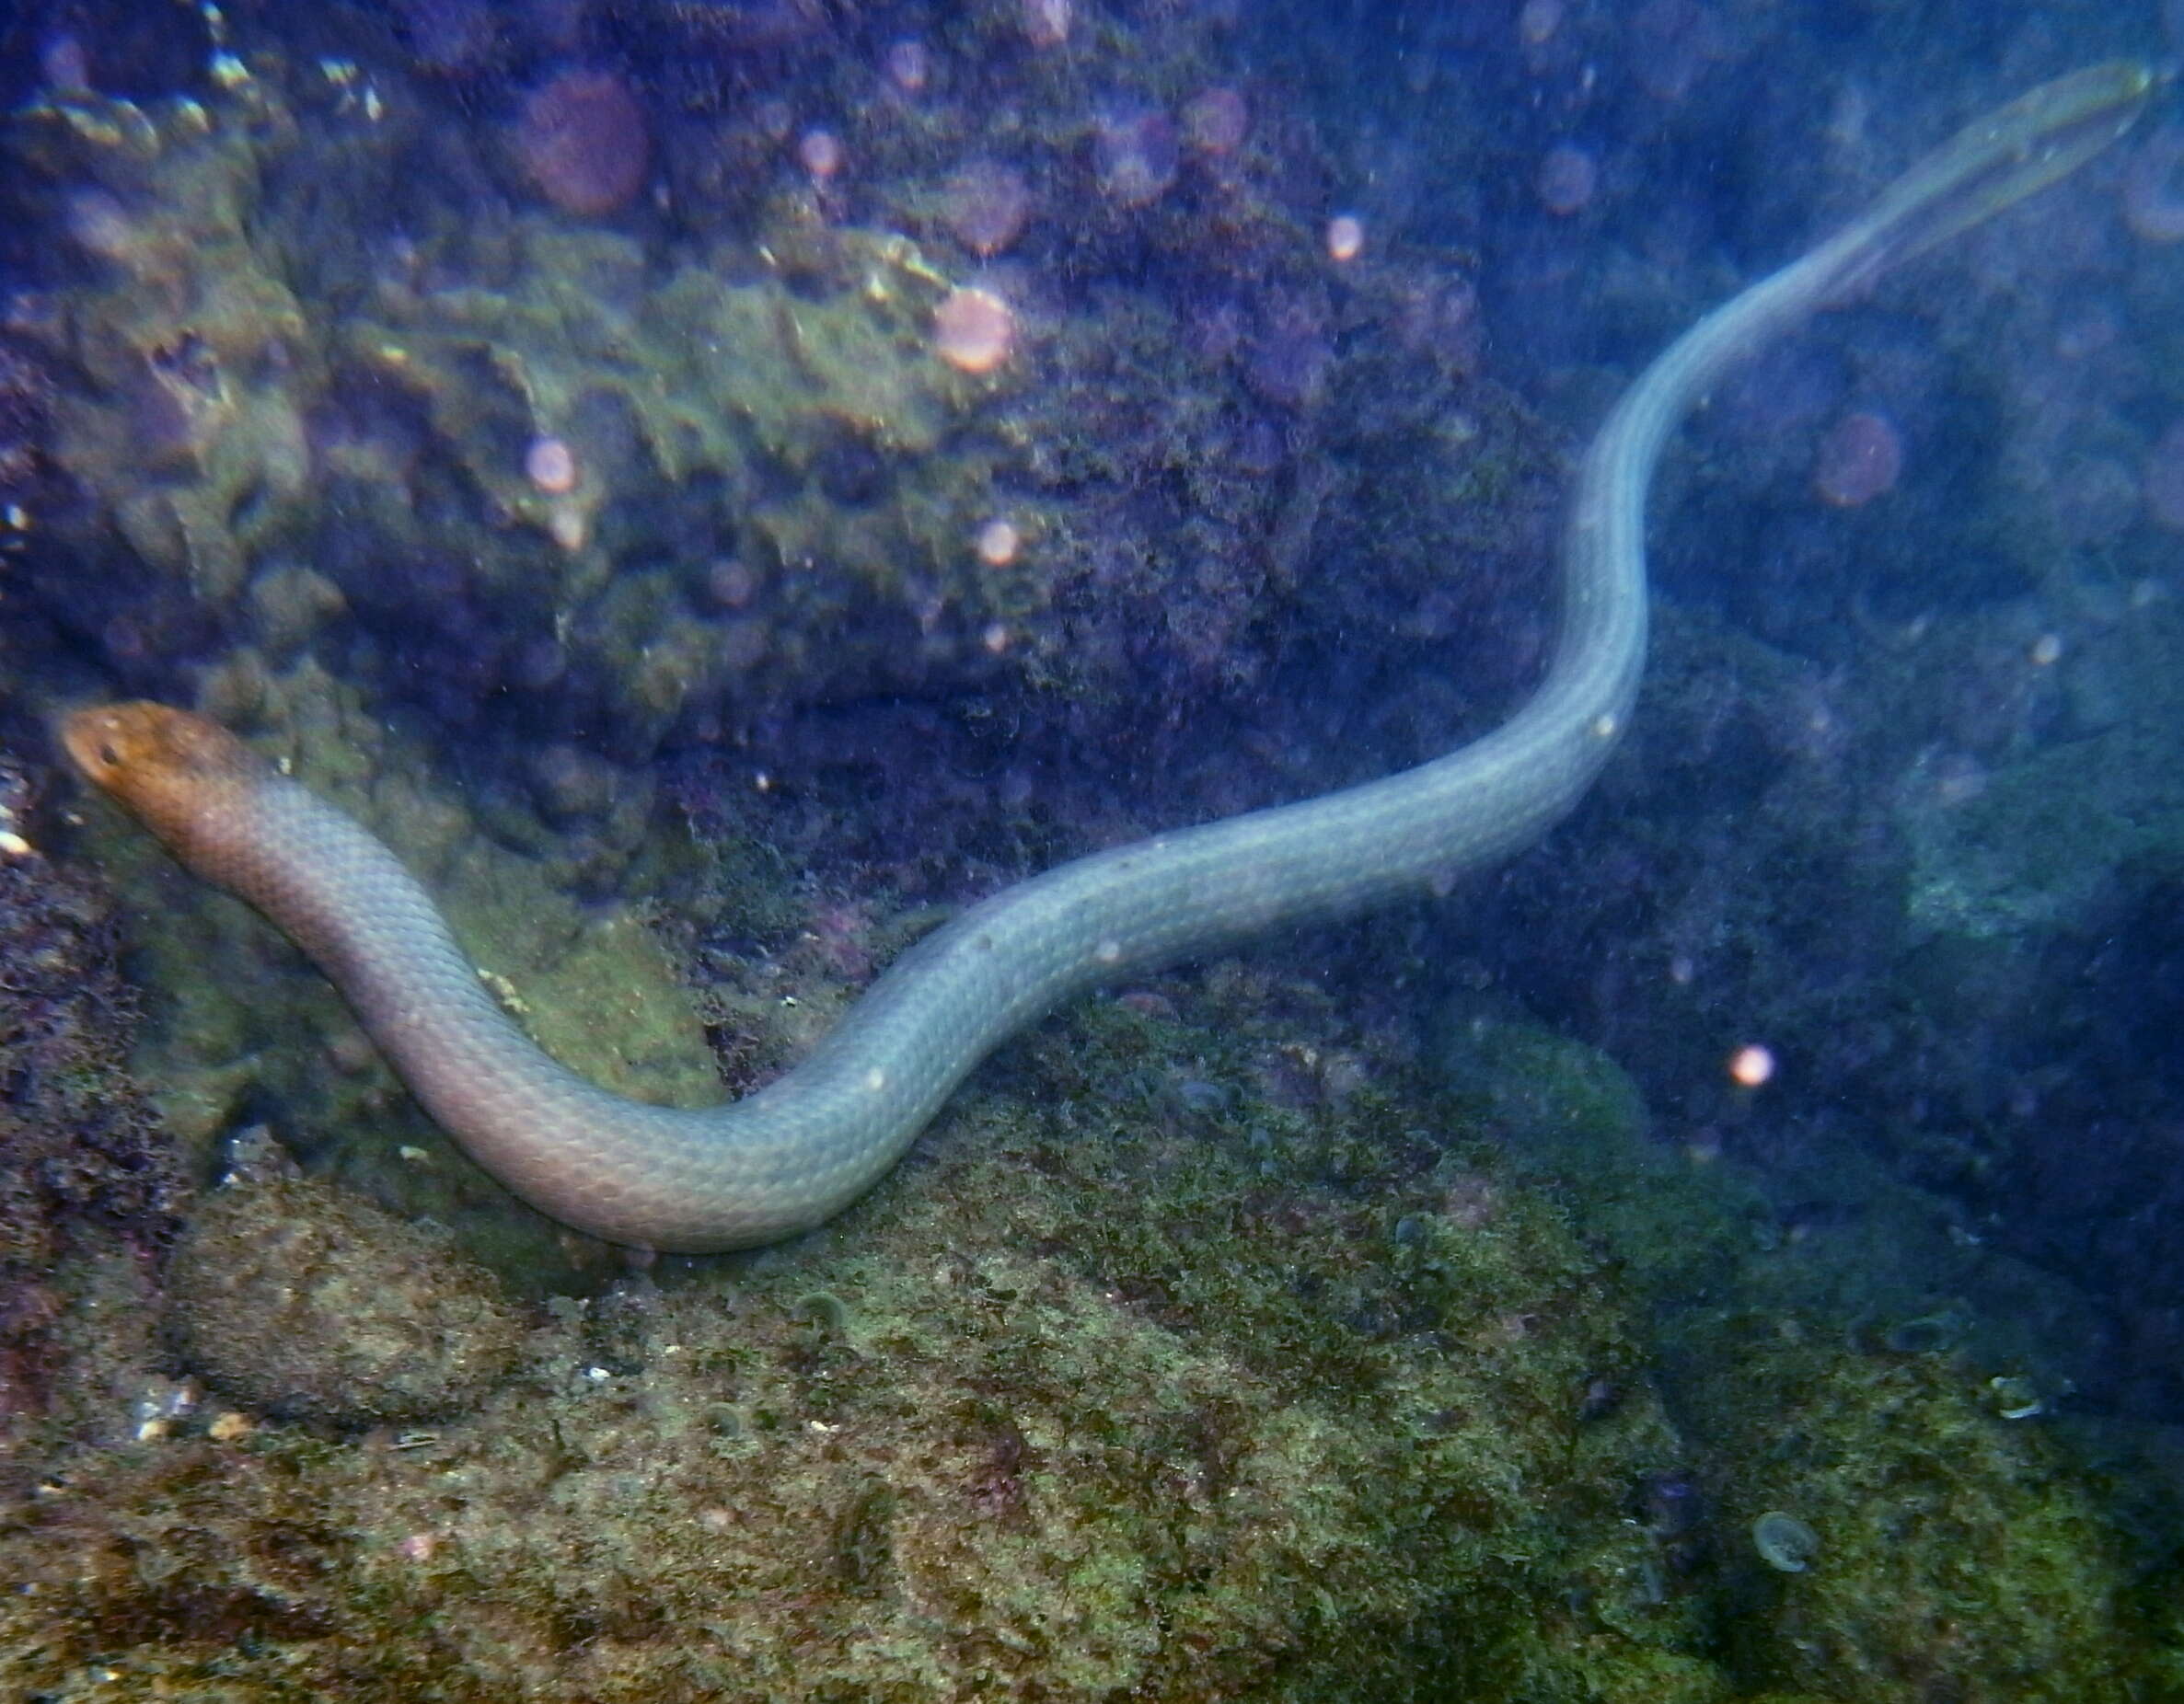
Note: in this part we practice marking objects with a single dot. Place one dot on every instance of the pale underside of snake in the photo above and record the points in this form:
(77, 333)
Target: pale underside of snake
(802, 1148)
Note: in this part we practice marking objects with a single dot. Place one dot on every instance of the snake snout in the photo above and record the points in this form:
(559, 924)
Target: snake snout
(169, 768)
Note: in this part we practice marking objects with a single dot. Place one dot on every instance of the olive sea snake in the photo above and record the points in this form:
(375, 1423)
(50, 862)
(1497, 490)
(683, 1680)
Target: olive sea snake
(802, 1148)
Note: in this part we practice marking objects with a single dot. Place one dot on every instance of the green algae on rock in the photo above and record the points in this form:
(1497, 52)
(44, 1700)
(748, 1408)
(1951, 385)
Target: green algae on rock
(1159, 1379)
(87, 1174)
(198, 363)
(1959, 1550)
(303, 1301)
(805, 401)
(310, 341)
(1122, 1406)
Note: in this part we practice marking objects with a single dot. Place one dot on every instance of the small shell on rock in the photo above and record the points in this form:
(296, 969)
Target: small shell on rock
(1785, 1542)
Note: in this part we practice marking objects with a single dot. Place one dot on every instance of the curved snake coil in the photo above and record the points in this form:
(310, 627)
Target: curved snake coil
(800, 1150)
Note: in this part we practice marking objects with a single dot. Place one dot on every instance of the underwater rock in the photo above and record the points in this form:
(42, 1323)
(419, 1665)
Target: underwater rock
(196, 365)
(26, 410)
(308, 1303)
(583, 142)
(1100, 1404)
(87, 1175)
(354, 367)
(77, 1137)
(1110, 1395)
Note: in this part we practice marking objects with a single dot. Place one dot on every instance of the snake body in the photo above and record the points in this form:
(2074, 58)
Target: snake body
(800, 1150)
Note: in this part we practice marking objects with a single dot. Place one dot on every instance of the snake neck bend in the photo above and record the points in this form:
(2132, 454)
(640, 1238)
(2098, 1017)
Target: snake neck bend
(799, 1150)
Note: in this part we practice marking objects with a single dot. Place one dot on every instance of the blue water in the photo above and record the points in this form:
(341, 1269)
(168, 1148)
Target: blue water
(750, 478)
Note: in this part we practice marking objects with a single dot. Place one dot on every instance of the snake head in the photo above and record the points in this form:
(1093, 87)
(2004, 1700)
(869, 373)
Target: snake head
(173, 770)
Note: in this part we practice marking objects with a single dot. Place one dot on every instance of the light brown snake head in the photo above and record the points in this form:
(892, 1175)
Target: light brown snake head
(170, 769)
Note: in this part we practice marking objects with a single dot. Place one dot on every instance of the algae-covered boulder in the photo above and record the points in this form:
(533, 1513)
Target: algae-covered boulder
(304, 1301)
(187, 430)
(85, 1169)
(1138, 1384)
(1157, 1373)
(1948, 1548)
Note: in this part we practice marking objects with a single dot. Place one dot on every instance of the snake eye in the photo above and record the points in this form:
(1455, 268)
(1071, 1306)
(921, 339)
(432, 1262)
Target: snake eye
(109, 757)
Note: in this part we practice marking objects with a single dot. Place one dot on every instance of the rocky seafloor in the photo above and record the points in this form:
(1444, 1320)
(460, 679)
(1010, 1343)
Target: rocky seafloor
(720, 485)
